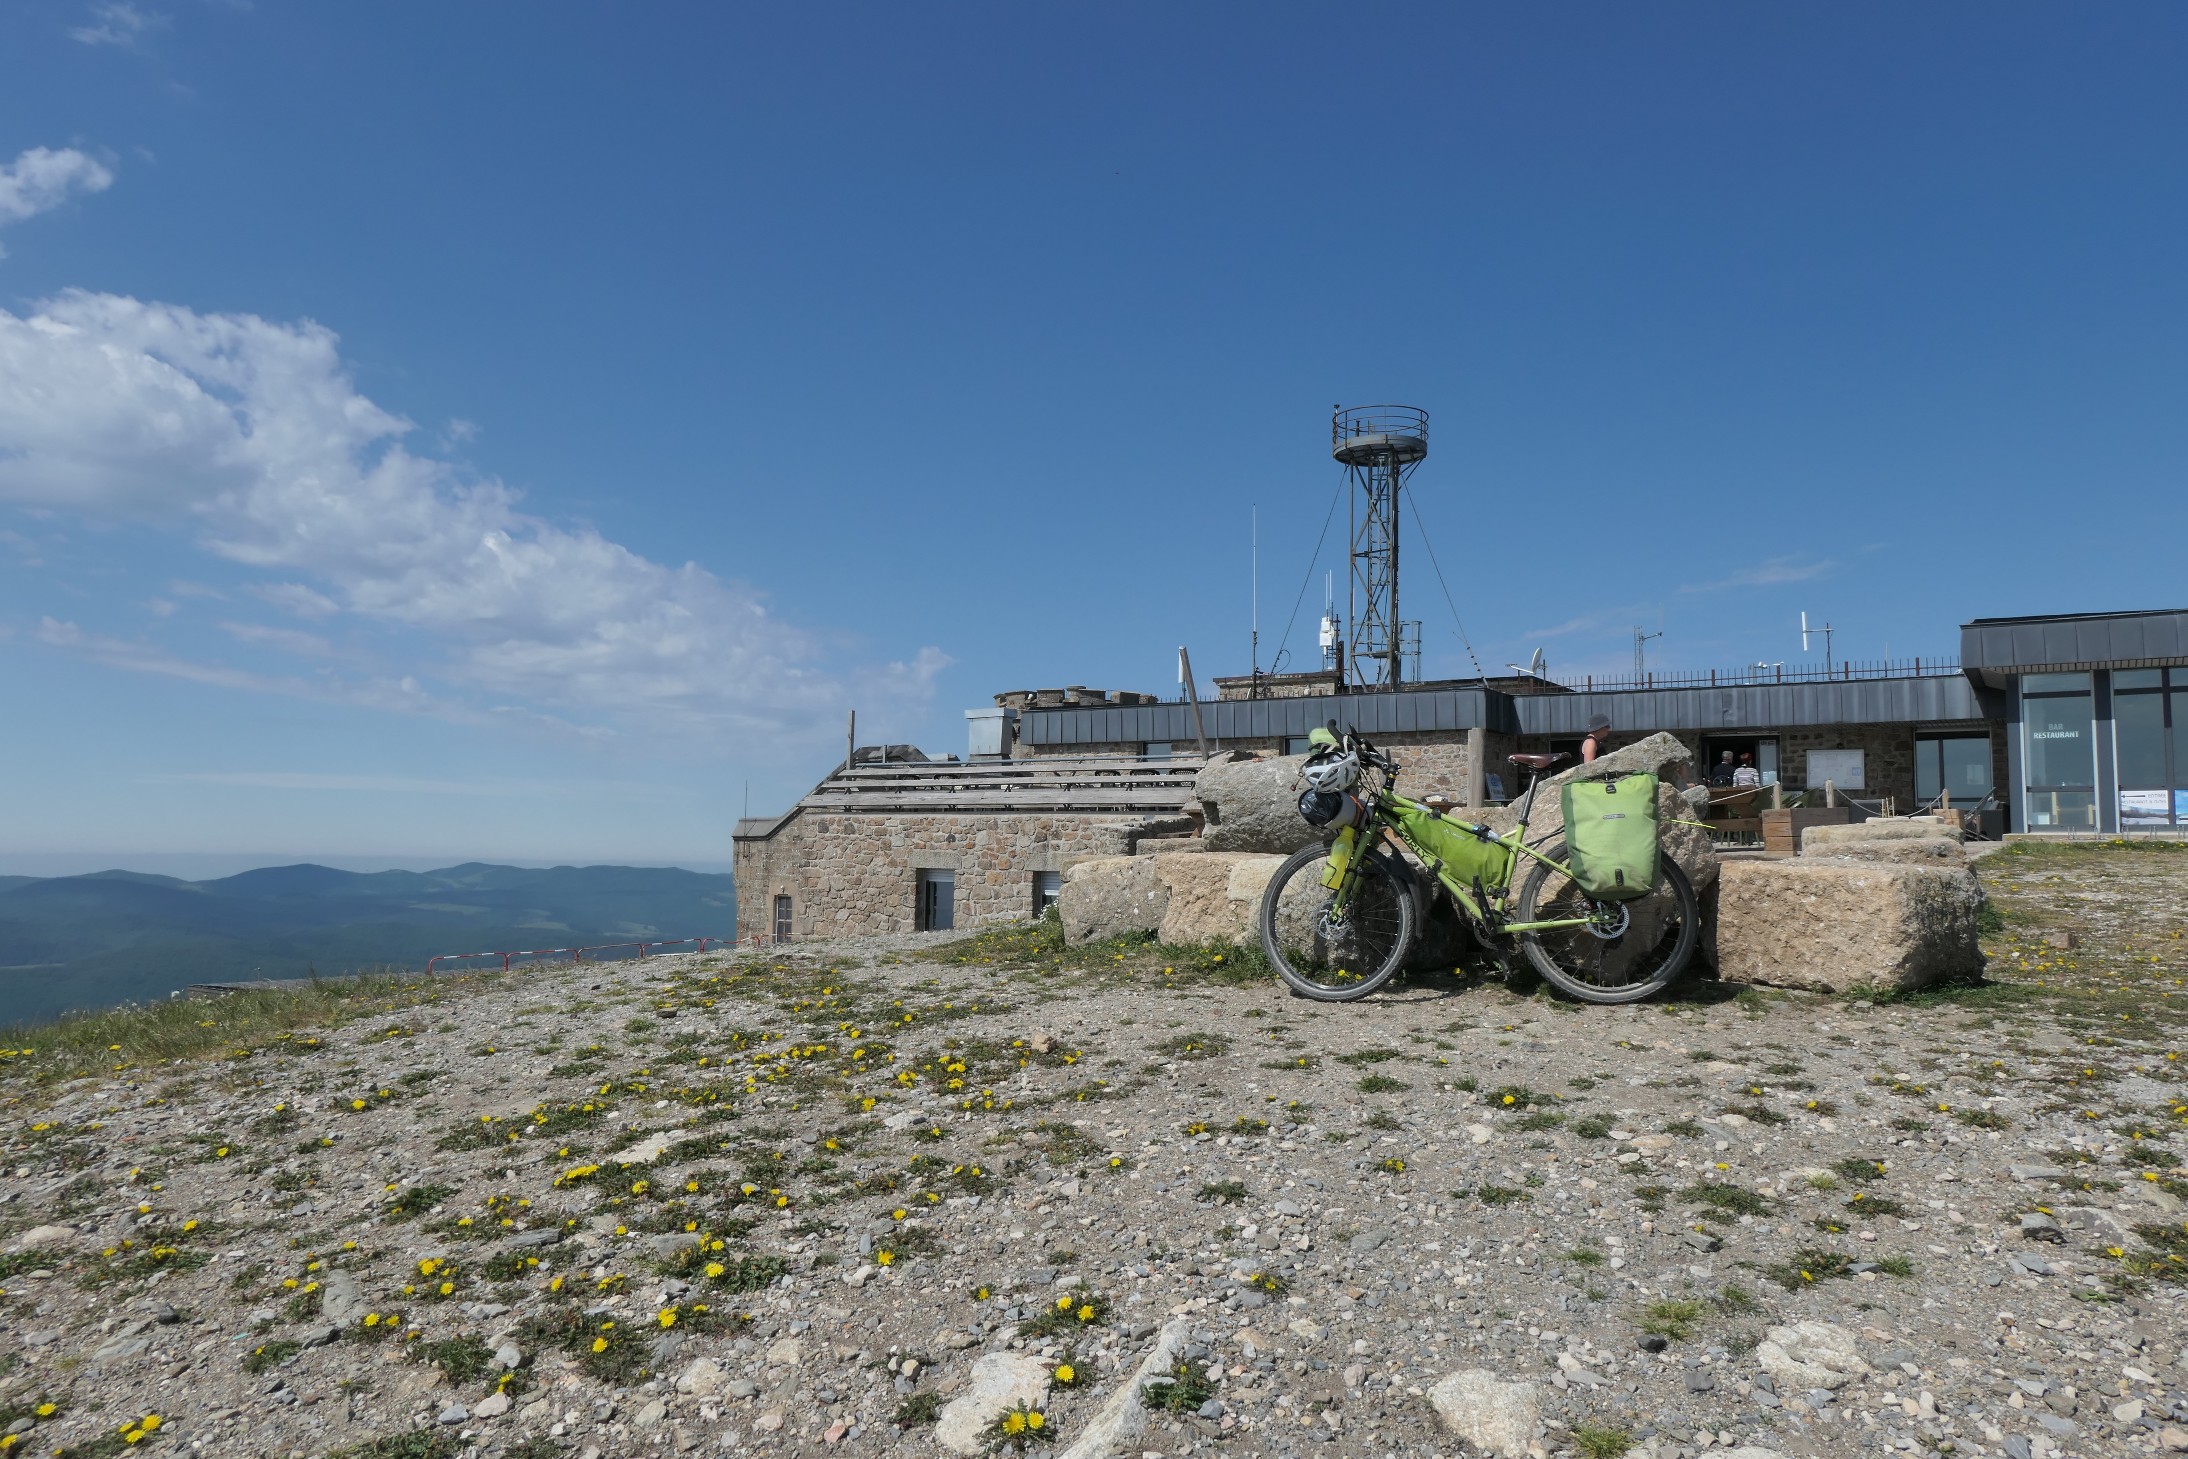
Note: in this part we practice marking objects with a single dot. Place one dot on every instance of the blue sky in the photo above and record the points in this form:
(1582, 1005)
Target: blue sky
(502, 430)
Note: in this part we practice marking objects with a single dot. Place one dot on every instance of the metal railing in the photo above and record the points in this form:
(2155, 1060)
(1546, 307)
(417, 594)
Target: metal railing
(579, 954)
(1355, 421)
(1763, 674)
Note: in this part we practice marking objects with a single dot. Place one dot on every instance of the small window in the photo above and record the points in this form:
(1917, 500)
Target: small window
(1297, 745)
(1048, 888)
(782, 919)
(1157, 750)
(936, 910)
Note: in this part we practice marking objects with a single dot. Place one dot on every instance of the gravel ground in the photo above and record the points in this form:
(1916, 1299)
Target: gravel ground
(731, 1206)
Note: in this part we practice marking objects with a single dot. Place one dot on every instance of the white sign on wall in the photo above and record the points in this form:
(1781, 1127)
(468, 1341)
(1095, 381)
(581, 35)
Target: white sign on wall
(1843, 768)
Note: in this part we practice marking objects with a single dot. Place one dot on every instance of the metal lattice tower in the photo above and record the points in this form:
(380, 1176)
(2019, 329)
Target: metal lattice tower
(1379, 446)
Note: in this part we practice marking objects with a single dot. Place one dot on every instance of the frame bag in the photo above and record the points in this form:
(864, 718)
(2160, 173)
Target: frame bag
(1454, 848)
(1610, 835)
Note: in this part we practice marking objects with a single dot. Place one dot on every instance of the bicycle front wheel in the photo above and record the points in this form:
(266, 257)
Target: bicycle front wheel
(1627, 951)
(1326, 957)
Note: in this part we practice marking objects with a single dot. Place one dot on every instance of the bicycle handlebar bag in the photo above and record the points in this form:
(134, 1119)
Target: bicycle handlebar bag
(1610, 835)
(1454, 846)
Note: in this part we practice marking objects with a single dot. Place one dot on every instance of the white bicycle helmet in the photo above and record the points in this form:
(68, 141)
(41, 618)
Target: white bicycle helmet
(1338, 772)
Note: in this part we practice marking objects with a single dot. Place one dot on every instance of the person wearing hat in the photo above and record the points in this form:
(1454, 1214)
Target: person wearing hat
(1599, 729)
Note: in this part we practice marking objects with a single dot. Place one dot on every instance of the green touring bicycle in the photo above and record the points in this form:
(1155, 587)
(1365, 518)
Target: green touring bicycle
(1593, 907)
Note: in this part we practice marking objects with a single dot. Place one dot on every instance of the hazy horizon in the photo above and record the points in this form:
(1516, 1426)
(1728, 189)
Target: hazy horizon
(211, 865)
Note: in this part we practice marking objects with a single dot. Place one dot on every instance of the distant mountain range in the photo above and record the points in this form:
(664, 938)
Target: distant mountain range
(70, 942)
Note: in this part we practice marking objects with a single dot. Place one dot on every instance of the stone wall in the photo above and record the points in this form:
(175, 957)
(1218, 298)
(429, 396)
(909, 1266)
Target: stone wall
(849, 874)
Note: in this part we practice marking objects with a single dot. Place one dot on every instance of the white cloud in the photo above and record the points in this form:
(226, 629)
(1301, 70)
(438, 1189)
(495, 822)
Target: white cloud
(42, 178)
(1775, 571)
(250, 435)
(118, 23)
(287, 640)
(1622, 616)
(297, 599)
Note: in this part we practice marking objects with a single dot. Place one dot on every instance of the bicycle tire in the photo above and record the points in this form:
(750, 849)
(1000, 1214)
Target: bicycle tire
(1595, 970)
(1384, 922)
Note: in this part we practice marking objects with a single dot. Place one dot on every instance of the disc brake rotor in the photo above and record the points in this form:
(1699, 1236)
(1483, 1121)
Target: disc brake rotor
(1608, 928)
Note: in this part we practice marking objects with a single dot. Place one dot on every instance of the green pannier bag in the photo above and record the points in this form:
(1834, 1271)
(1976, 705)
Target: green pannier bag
(1452, 847)
(1610, 835)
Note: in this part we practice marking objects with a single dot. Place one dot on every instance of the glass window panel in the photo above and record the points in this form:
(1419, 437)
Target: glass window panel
(2054, 683)
(2059, 741)
(1967, 768)
(1929, 768)
(2062, 810)
(2135, 678)
(2180, 737)
(2139, 724)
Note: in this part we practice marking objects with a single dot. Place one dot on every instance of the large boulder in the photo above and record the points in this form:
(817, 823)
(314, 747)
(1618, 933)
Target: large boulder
(1899, 850)
(1830, 840)
(1205, 896)
(1112, 896)
(999, 1383)
(1496, 1416)
(1214, 896)
(1253, 805)
(1828, 925)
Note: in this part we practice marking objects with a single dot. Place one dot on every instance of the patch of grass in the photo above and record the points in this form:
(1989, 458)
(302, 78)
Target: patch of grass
(1650, 1198)
(1600, 1441)
(918, 1410)
(1807, 1266)
(1982, 1119)
(1517, 1096)
(461, 1359)
(1383, 1119)
(1594, 1127)
(1501, 1195)
(1194, 1046)
(1675, 1320)
(1864, 1204)
(1859, 1169)
(1381, 1084)
(1182, 1390)
(1222, 1192)
(416, 1200)
(1761, 1114)
(270, 1354)
(1737, 1300)
(1541, 1119)
(416, 1444)
(1066, 1315)
(1585, 1256)
(1733, 1200)
(1359, 1058)
(1685, 1128)
(238, 1026)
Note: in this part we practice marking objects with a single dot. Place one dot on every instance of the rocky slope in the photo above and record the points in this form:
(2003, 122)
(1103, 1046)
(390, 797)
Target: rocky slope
(902, 1198)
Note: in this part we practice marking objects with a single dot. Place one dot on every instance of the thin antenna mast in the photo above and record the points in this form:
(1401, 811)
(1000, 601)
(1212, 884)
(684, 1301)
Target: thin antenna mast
(1640, 662)
(1825, 630)
(1253, 539)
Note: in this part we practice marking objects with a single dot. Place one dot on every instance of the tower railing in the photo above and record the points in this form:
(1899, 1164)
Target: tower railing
(1352, 422)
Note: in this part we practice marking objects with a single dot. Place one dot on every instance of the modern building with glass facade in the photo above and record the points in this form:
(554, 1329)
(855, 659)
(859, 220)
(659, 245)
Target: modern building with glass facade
(2071, 724)
(2096, 714)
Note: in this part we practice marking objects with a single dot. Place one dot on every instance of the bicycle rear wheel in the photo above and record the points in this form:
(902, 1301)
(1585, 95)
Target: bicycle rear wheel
(1329, 959)
(1630, 950)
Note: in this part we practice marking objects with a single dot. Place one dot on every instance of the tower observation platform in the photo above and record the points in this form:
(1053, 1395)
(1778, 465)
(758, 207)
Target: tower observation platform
(1379, 435)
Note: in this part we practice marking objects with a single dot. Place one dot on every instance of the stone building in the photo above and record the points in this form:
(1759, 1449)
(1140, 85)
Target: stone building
(2075, 724)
